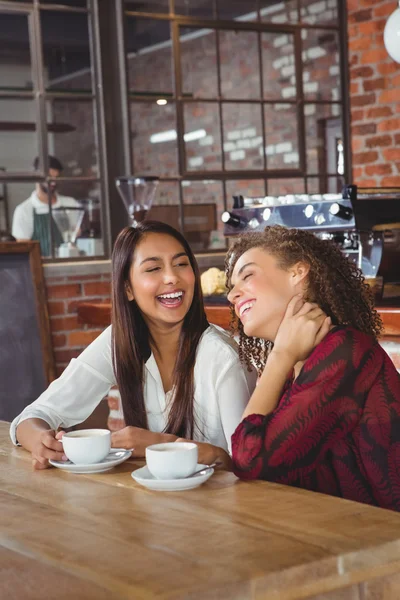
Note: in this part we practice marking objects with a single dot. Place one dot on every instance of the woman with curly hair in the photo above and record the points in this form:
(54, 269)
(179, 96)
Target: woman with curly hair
(325, 415)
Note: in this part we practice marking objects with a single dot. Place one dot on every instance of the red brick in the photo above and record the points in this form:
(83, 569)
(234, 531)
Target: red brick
(379, 111)
(362, 72)
(115, 424)
(368, 28)
(393, 181)
(113, 402)
(388, 96)
(56, 308)
(374, 56)
(64, 356)
(363, 100)
(365, 129)
(354, 88)
(391, 154)
(384, 10)
(98, 288)
(389, 125)
(65, 323)
(379, 141)
(387, 68)
(59, 340)
(385, 169)
(360, 16)
(369, 182)
(365, 157)
(359, 44)
(83, 338)
(374, 84)
(395, 81)
(357, 144)
(357, 115)
(397, 139)
(64, 291)
(357, 173)
(398, 167)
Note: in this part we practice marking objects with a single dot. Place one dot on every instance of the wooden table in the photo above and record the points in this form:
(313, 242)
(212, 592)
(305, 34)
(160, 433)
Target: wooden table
(104, 537)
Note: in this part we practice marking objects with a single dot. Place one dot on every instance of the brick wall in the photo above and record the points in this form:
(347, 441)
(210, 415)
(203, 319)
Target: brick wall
(374, 94)
(70, 336)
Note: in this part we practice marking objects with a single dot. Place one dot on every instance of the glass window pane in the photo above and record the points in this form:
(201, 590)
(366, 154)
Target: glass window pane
(206, 9)
(244, 187)
(85, 222)
(325, 185)
(71, 136)
(281, 187)
(239, 55)
(243, 136)
(165, 206)
(202, 136)
(11, 195)
(66, 51)
(148, 6)
(240, 10)
(198, 52)
(18, 136)
(321, 70)
(279, 74)
(15, 58)
(149, 57)
(69, 3)
(279, 11)
(324, 131)
(154, 138)
(203, 206)
(281, 136)
(314, 11)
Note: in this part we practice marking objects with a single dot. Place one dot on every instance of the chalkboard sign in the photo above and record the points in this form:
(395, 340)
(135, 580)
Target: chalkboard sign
(26, 357)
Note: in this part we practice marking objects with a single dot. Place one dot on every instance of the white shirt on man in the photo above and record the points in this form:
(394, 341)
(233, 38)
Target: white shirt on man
(222, 388)
(23, 225)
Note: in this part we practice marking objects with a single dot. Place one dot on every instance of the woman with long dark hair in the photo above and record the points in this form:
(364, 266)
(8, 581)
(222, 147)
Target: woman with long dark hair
(325, 415)
(178, 376)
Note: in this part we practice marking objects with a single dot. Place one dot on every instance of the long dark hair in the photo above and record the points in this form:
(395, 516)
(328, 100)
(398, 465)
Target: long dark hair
(131, 337)
(334, 283)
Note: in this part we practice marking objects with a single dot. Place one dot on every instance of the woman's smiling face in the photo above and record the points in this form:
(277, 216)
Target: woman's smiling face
(161, 279)
(261, 291)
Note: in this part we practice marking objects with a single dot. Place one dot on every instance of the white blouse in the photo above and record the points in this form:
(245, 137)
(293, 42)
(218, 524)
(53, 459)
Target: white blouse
(222, 389)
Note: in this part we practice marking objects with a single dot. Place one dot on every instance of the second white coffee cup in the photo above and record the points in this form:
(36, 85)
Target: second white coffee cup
(172, 460)
(87, 446)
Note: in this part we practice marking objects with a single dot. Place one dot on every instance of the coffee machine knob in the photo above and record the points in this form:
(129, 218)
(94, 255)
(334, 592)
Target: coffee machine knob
(343, 212)
(233, 220)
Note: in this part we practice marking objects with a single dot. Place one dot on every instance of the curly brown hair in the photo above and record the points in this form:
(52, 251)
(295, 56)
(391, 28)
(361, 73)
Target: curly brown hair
(335, 283)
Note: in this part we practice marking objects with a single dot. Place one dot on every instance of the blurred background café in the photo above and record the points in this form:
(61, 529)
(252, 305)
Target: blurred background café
(216, 116)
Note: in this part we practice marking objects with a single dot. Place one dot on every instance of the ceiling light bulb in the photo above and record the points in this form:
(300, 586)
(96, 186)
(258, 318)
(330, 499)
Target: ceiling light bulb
(391, 35)
(162, 102)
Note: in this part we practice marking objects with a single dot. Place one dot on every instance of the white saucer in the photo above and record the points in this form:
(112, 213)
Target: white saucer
(114, 458)
(145, 478)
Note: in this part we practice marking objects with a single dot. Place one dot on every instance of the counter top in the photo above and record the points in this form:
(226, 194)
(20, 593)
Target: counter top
(105, 537)
(92, 313)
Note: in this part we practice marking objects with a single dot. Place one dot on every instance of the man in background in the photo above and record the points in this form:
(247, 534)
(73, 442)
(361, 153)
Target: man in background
(31, 217)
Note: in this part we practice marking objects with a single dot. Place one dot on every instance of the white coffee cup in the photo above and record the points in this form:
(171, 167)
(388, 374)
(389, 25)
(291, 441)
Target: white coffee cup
(172, 460)
(86, 446)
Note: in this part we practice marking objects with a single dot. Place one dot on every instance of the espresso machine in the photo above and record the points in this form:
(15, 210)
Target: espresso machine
(364, 222)
(137, 194)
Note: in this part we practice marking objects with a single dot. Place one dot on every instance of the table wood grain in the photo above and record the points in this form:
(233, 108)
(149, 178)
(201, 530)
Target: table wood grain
(103, 536)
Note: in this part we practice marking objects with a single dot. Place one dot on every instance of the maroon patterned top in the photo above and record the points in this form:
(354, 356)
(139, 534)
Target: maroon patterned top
(336, 429)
